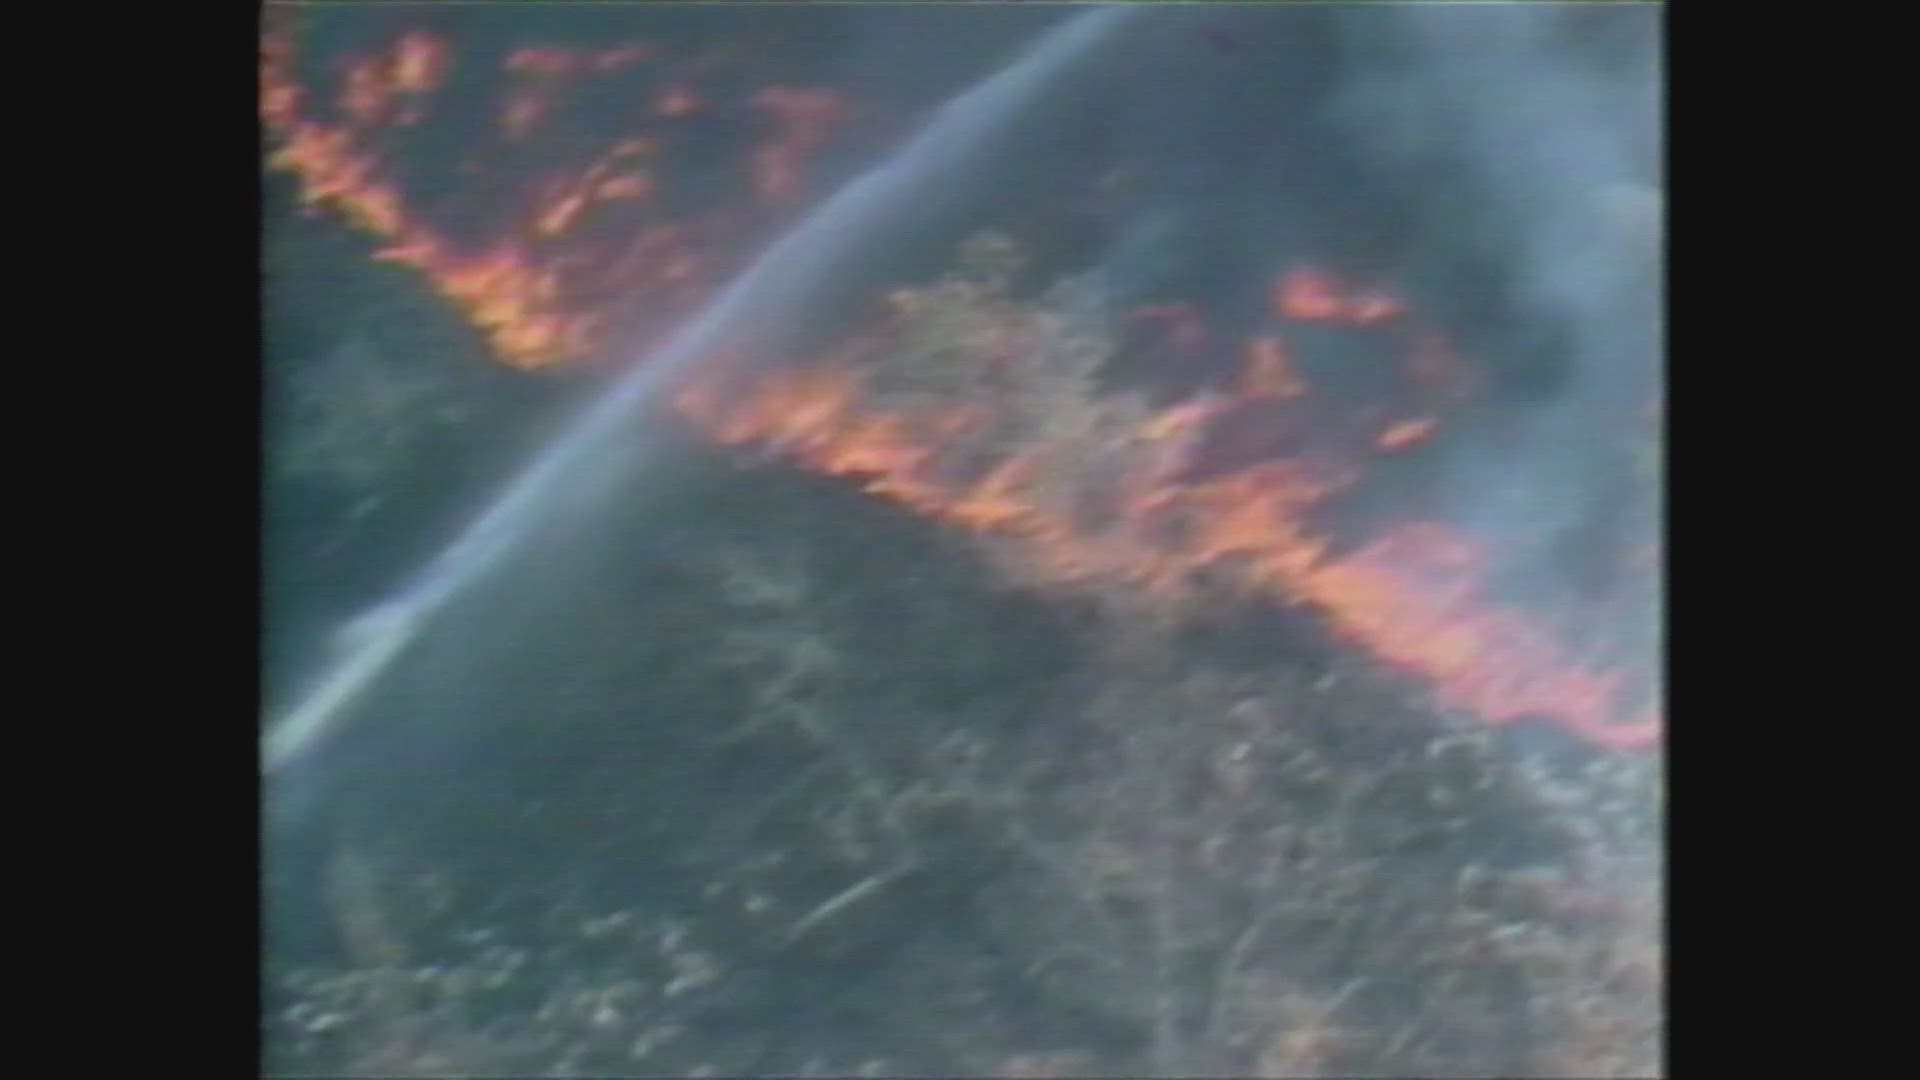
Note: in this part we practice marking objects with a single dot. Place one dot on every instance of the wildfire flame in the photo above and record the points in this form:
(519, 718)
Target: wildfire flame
(1412, 597)
(1315, 296)
(1145, 514)
(594, 232)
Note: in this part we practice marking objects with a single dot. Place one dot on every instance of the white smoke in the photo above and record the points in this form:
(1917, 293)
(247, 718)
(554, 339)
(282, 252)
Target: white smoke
(1558, 148)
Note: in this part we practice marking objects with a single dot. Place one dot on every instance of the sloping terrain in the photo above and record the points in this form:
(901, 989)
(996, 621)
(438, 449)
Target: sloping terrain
(1204, 623)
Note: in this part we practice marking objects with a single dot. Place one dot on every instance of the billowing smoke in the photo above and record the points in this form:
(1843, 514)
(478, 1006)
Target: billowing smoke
(1499, 165)
(1540, 128)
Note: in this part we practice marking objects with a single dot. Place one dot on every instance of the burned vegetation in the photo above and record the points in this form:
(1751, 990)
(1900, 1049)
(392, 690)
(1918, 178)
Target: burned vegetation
(771, 778)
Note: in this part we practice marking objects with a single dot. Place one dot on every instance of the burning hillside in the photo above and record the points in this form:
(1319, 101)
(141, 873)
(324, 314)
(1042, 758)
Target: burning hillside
(1094, 487)
(1273, 525)
(1239, 484)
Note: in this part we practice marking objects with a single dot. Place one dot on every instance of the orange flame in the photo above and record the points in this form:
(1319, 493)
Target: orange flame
(1417, 597)
(333, 171)
(1315, 296)
(420, 62)
(412, 69)
(515, 304)
(571, 197)
(525, 294)
(1480, 655)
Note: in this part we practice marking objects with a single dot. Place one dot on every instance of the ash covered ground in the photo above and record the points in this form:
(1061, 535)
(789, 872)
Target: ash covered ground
(754, 772)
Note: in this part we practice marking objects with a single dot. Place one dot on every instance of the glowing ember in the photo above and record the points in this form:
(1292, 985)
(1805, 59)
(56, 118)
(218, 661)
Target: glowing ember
(1407, 433)
(420, 62)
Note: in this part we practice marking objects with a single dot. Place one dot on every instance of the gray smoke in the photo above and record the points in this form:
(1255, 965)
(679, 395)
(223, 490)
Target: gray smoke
(1541, 127)
(1142, 254)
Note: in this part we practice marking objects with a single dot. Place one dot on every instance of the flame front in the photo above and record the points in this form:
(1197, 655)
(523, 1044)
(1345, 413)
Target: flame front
(1105, 492)
(591, 232)
(1414, 597)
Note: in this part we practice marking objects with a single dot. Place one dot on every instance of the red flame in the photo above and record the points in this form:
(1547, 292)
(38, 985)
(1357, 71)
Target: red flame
(526, 286)
(543, 290)
(1416, 597)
